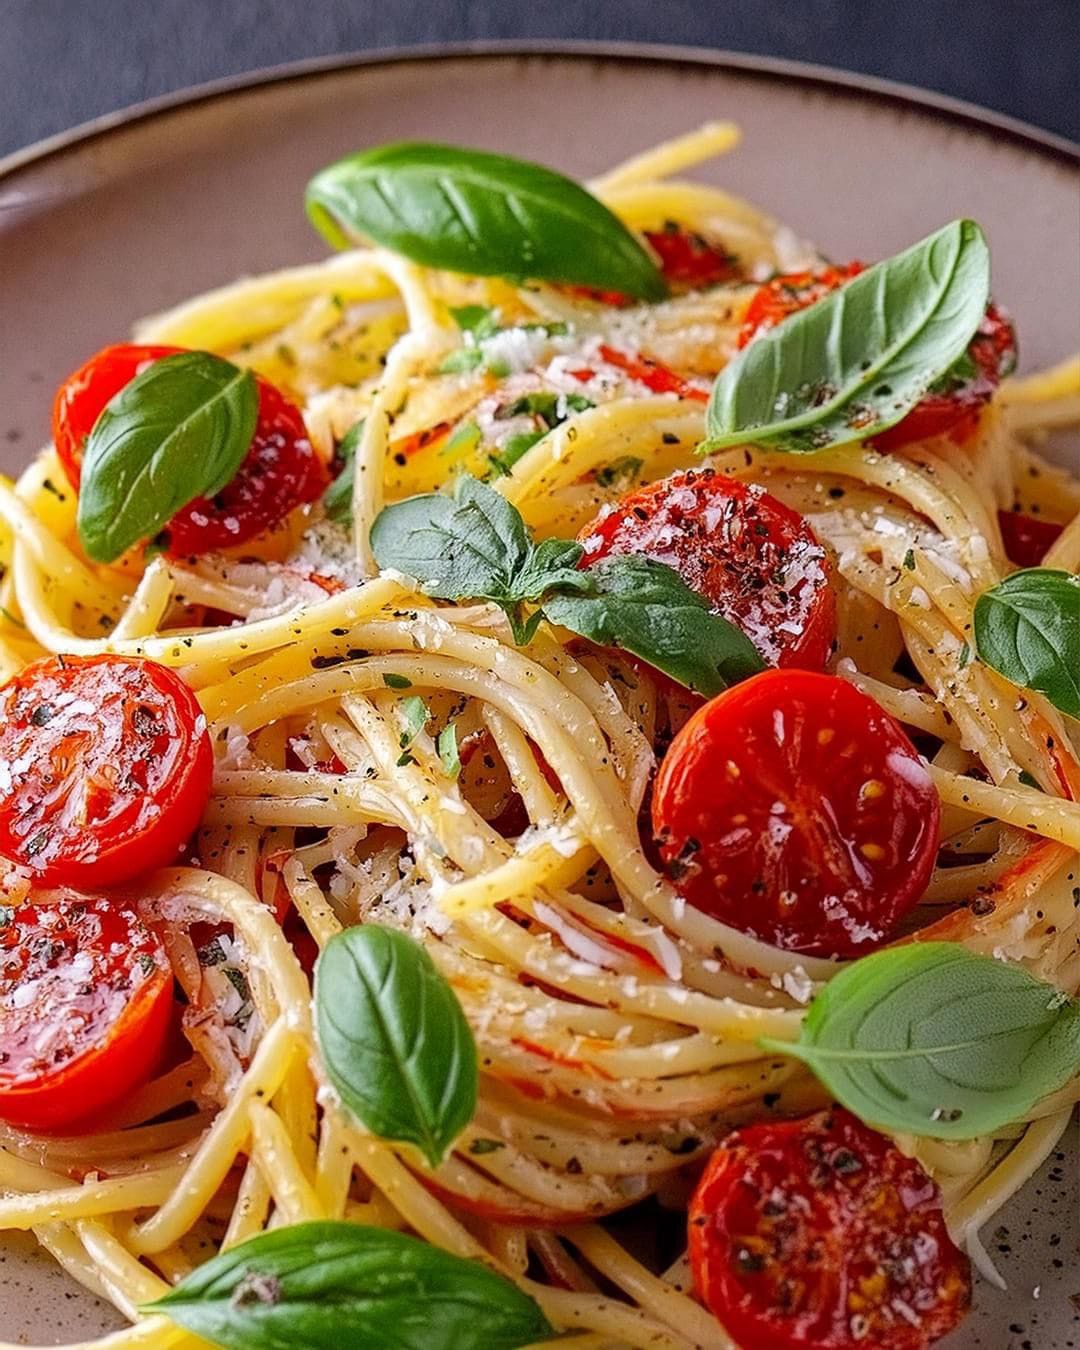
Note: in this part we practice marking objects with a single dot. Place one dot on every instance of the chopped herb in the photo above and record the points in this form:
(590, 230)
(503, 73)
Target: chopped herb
(620, 472)
(514, 448)
(465, 438)
(909, 560)
(414, 710)
(478, 320)
(337, 499)
(447, 746)
(964, 657)
(397, 682)
(464, 358)
(212, 954)
(480, 1146)
(1028, 780)
(407, 757)
(17, 623)
(238, 980)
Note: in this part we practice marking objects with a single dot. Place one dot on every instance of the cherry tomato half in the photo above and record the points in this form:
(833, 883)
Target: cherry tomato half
(754, 559)
(953, 412)
(281, 470)
(105, 768)
(1026, 538)
(819, 1234)
(794, 808)
(85, 1005)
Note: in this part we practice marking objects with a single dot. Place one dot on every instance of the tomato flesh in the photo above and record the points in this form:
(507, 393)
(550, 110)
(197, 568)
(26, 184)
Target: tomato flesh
(281, 470)
(689, 261)
(819, 1234)
(105, 768)
(1026, 538)
(952, 412)
(754, 559)
(653, 374)
(85, 1009)
(795, 809)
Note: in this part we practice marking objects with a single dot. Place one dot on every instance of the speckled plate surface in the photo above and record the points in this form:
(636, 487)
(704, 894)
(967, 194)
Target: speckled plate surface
(135, 213)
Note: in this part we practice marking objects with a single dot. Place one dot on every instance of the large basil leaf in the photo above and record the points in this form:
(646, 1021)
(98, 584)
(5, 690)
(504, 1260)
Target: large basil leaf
(932, 1039)
(1028, 629)
(645, 607)
(394, 1040)
(489, 215)
(859, 360)
(179, 430)
(324, 1286)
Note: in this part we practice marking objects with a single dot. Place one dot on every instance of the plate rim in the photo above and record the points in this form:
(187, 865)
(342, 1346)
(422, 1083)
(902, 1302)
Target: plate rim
(944, 107)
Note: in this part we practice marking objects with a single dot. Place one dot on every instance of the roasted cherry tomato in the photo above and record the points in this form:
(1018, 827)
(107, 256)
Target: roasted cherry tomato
(1026, 538)
(819, 1234)
(281, 470)
(795, 809)
(783, 295)
(953, 411)
(754, 559)
(85, 1006)
(105, 767)
(689, 261)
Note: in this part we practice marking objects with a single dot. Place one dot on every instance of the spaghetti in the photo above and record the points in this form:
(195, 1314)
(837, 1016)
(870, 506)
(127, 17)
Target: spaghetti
(617, 1026)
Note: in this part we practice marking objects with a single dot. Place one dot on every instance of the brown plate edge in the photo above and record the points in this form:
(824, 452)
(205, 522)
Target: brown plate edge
(828, 79)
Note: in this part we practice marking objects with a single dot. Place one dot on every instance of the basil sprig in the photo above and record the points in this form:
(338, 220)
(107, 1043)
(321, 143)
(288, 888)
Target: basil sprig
(858, 360)
(1028, 629)
(488, 215)
(179, 430)
(475, 546)
(332, 1284)
(932, 1039)
(394, 1040)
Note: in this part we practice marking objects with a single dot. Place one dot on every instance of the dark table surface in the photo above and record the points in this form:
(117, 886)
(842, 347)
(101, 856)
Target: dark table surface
(63, 61)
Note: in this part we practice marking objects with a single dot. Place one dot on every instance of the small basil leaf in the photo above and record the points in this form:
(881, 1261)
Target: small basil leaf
(553, 564)
(469, 546)
(1028, 629)
(394, 1040)
(179, 430)
(488, 215)
(645, 607)
(857, 361)
(337, 499)
(322, 1286)
(932, 1039)
(479, 320)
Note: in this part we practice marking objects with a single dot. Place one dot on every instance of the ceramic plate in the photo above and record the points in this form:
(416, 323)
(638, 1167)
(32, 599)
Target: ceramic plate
(135, 213)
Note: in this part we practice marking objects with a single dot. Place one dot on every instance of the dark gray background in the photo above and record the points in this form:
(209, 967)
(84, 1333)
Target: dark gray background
(63, 61)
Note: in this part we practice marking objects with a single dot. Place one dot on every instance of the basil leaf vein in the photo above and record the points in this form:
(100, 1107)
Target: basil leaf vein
(179, 430)
(1028, 629)
(327, 1284)
(485, 214)
(858, 360)
(932, 1039)
(394, 1040)
(646, 608)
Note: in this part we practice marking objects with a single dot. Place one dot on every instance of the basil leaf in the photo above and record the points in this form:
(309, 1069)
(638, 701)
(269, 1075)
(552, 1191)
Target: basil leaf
(645, 607)
(394, 1040)
(1028, 629)
(179, 430)
(859, 360)
(322, 1286)
(469, 546)
(479, 320)
(553, 564)
(415, 712)
(933, 1040)
(488, 215)
(337, 499)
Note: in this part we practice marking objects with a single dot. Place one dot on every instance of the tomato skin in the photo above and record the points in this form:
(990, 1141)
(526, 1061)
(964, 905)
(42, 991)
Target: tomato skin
(955, 414)
(653, 374)
(281, 470)
(819, 1234)
(99, 1015)
(687, 260)
(1026, 538)
(794, 808)
(754, 559)
(105, 768)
